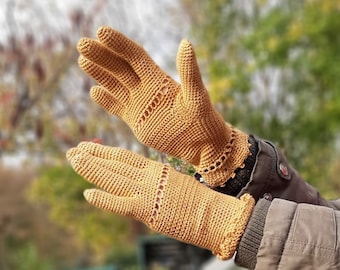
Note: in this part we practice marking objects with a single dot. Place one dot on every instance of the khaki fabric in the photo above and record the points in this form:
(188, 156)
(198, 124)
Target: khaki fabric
(177, 119)
(300, 236)
(167, 201)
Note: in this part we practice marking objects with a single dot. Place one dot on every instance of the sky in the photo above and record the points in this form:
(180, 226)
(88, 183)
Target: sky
(159, 26)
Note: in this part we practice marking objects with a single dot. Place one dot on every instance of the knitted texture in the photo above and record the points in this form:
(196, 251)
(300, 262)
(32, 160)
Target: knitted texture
(167, 201)
(177, 119)
(242, 175)
(252, 237)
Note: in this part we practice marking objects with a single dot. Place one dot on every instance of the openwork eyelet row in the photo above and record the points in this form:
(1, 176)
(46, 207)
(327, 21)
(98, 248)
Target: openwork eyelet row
(219, 162)
(159, 194)
(153, 104)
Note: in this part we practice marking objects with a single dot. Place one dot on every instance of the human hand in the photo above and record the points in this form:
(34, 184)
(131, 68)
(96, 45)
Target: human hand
(174, 118)
(167, 201)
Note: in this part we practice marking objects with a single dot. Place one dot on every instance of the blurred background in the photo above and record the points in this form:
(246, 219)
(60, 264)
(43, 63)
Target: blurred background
(272, 69)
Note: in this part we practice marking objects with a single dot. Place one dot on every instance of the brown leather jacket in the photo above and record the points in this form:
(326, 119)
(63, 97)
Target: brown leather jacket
(273, 177)
(293, 227)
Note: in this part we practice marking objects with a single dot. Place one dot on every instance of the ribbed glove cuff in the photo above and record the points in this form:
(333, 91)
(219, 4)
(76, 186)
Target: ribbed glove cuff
(251, 239)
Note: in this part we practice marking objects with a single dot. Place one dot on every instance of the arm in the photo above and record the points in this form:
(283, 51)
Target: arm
(267, 173)
(291, 236)
(271, 234)
(177, 119)
(168, 202)
(180, 120)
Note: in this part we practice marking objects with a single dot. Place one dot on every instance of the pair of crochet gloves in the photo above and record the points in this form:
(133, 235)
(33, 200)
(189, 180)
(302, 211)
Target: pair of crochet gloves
(177, 119)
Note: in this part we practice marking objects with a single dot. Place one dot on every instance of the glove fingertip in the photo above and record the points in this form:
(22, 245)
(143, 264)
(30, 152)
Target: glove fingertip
(71, 153)
(82, 61)
(89, 195)
(84, 45)
(102, 29)
(95, 92)
(102, 97)
(109, 101)
(83, 145)
(100, 199)
(185, 43)
(190, 75)
(80, 43)
(185, 49)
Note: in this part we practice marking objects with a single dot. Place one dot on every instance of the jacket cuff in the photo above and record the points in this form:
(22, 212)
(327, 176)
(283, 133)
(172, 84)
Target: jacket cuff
(251, 239)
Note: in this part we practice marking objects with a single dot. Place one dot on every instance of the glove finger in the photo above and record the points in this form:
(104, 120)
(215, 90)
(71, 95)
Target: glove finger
(129, 50)
(192, 85)
(119, 205)
(107, 59)
(111, 102)
(99, 172)
(115, 167)
(104, 78)
(114, 154)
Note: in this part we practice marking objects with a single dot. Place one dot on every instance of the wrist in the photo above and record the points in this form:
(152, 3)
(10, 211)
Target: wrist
(213, 221)
(234, 185)
(232, 218)
(231, 157)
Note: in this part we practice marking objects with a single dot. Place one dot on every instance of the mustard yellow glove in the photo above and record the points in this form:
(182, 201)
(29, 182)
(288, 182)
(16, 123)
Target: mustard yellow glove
(167, 201)
(172, 118)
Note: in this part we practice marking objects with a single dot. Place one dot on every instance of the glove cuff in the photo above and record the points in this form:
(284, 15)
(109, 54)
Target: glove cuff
(234, 185)
(235, 228)
(251, 239)
(233, 157)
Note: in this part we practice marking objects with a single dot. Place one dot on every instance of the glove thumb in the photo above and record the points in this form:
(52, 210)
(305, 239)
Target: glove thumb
(192, 85)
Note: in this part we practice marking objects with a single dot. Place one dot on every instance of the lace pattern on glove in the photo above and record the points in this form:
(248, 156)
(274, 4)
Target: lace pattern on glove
(152, 104)
(163, 179)
(220, 161)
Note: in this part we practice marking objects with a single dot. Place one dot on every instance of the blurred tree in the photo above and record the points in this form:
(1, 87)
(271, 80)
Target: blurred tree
(272, 69)
(40, 113)
(305, 47)
(44, 102)
(28, 238)
(27, 258)
(102, 233)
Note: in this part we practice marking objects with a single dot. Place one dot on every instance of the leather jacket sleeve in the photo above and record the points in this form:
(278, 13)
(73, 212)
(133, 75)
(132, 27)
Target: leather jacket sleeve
(273, 177)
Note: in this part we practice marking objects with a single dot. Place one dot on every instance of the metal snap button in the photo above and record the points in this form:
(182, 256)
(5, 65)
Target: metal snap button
(283, 169)
(268, 196)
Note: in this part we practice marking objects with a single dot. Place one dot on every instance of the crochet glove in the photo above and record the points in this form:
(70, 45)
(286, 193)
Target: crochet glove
(165, 200)
(177, 119)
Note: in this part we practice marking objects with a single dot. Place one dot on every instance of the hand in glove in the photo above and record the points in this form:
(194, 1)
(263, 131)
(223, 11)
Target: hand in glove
(167, 201)
(174, 118)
